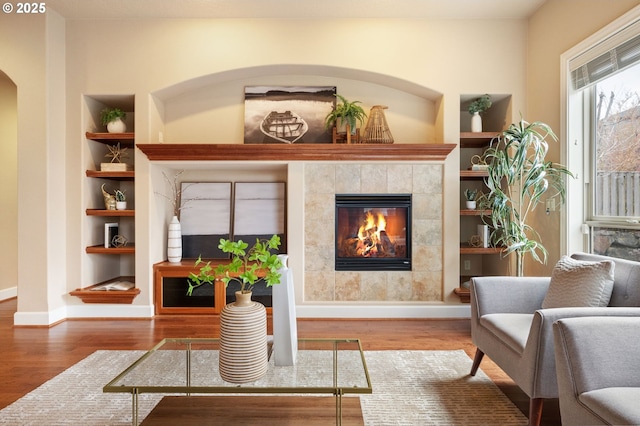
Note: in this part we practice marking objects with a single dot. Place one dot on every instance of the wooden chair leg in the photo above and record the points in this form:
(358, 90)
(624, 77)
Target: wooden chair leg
(535, 411)
(476, 362)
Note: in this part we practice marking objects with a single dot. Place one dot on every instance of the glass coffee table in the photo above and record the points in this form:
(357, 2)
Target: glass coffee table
(190, 366)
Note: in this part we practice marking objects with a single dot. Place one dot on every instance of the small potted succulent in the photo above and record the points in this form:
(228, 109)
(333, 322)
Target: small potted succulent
(121, 199)
(470, 195)
(345, 116)
(481, 104)
(112, 118)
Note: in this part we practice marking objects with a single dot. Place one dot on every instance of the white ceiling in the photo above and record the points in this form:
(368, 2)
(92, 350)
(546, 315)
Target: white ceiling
(292, 9)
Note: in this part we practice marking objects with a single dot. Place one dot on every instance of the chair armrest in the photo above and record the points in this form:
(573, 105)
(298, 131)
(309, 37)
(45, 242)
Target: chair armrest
(522, 295)
(584, 351)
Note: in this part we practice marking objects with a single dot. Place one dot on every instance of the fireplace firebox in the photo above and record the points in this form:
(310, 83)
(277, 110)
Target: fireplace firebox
(373, 232)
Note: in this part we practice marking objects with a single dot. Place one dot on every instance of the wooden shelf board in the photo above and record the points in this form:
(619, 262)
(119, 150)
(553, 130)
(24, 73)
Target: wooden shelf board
(476, 139)
(110, 213)
(100, 249)
(107, 296)
(467, 249)
(475, 212)
(111, 138)
(126, 175)
(473, 174)
(295, 152)
(464, 294)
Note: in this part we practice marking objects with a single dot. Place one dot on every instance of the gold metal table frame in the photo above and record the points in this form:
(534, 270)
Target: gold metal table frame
(189, 366)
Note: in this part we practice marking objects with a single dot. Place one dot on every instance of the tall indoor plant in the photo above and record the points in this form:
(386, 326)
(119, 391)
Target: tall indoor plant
(519, 176)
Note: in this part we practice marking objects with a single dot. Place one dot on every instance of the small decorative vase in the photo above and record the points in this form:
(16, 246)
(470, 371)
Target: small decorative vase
(116, 126)
(174, 241)
(476, 122)
(121, 205)
(471, 205)
(243, 340)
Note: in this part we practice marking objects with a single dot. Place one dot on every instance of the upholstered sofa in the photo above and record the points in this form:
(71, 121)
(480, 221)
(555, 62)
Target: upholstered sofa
(598, 367)
(509, 324)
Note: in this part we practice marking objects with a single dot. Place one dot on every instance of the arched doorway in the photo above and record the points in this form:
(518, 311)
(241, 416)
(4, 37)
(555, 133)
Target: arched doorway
(9, 179)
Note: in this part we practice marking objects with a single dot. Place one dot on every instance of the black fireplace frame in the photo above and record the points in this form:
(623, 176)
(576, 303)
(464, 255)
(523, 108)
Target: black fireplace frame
(377, 263)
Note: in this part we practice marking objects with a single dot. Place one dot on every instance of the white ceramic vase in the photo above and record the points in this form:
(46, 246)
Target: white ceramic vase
(116, 126)
(121, 205)
(476, 122)
(243, 340)
(174, 241)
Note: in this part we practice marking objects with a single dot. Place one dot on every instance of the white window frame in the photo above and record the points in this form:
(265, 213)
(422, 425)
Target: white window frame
(575, 135)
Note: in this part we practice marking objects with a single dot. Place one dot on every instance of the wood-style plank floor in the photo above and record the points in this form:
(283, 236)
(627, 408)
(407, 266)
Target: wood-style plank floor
(32, 355)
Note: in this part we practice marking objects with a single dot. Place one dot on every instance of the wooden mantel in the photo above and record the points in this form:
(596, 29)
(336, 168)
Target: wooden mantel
(307, 152)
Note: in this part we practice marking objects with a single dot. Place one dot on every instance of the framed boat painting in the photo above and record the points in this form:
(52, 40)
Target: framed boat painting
(287, 114)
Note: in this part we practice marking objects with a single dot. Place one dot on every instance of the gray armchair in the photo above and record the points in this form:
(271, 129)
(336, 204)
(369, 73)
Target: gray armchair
(598, 369)
(510, 326)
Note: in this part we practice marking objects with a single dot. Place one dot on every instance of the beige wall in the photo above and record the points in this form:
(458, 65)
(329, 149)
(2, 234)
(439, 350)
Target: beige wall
(556, 27)
(9, 179)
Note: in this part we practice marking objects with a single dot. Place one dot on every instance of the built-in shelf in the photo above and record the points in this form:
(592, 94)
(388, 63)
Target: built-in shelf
(126, 175)
(473, 174)
(475, 212)
(467, 249)
(87, 295)
(110, 138)
(101, 249)
(110, 213)
(476, 139)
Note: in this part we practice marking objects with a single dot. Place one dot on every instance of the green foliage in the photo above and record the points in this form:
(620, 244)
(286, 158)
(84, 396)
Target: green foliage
(119, 193)
(347, 111)
(519, 175)
(481, 104)
(111, 114)
(470, 194)
(245, 265)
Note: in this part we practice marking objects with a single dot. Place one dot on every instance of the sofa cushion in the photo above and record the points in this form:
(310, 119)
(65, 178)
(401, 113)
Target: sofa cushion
(616, 406)
(579, 283)
(512, 329)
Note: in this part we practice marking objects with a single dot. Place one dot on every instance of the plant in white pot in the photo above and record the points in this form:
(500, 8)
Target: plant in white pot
(121, 199)
(479, 105)
(243, 323)
(113, 119)
(470, 196)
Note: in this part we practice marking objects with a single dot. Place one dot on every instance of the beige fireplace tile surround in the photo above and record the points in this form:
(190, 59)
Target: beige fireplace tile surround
(424, 283)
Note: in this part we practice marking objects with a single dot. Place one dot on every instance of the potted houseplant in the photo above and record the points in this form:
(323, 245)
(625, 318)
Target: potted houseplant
(243, 324)
(345, 116)
(470, 195)
(121, 199)
(519, 176)
(479, 105)
(112, 118)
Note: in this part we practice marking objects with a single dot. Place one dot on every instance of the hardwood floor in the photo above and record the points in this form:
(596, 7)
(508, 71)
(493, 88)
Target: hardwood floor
(32, 355)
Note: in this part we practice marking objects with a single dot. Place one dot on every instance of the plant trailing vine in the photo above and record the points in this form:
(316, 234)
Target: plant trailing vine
(245, 267)
(519, 175)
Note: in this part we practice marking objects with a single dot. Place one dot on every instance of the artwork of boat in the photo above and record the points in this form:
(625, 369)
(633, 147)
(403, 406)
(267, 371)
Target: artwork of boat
(287, 127)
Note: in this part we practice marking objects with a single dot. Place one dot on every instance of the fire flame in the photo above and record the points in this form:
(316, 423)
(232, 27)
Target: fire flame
(369, 234)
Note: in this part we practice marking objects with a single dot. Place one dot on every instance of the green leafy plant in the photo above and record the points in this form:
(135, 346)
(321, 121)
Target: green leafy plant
(481, 104)
(349, 112)
(120, 195)
(519, 175)
(470, 194)
(111, 114)
(245, 267)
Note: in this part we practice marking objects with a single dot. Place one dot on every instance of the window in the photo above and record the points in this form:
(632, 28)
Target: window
(603, 142)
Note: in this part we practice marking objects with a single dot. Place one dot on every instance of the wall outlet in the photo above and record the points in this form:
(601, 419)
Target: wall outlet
(467, 265)
(551, 205)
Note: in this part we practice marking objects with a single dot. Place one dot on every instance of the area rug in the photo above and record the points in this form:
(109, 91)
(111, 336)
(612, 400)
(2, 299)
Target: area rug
(409, 388)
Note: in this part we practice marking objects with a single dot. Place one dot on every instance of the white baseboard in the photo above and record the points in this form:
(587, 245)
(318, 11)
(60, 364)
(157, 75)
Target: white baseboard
(82, 311)
(395, 311)
(8, 293)
(39, 318)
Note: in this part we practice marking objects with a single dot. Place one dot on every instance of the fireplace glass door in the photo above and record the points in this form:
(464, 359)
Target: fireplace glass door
(373, 232)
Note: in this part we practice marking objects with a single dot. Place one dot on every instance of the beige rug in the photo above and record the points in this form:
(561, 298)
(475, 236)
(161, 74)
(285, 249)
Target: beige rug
(409, 388)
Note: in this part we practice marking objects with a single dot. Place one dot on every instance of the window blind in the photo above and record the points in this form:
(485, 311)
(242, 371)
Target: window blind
(606, 58)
